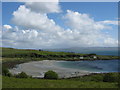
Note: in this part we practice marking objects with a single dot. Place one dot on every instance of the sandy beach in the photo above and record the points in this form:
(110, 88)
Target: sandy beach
(38, 68)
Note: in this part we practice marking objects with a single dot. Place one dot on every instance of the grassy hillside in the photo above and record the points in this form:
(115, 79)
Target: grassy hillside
(12, 51)
(27, 53)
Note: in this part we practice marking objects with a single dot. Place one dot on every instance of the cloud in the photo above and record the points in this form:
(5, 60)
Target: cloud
(35, 30)
(109, 22)
(7, 26)
(44, 7)
(84, 22)
(110, 42)
(90, 31)
(31, 20)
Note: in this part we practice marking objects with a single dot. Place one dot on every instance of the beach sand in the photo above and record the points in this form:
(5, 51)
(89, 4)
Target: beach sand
(38, 68)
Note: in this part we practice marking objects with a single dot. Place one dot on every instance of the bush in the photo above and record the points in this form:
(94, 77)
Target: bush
(22, 75)
(97, 78)
(9, 74)
(51, 75)
(6, 72)
(110, 77)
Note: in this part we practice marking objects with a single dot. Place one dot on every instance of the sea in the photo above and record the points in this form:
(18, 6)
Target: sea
(96, 66)
(92, 66)
(87, 50)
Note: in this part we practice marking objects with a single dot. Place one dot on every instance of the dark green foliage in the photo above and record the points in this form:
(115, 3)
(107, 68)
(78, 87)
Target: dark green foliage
(51, 75)
(100, 77)
(97, 78)
(22, 75)
(6, 72)
(9, 74)
(111, 77)
(92, 54)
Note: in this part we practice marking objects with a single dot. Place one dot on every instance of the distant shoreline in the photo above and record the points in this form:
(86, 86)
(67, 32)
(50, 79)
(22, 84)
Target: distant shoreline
(11, 57)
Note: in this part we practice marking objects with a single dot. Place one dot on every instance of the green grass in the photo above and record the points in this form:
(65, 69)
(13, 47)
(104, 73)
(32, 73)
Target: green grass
(10, 82)
(28, 53)
(12, 51)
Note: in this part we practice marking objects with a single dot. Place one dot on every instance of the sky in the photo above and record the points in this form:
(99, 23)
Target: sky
(59, 24)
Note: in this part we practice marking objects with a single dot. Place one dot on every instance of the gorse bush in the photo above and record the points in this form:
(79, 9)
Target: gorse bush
(22, 75)
(51, 75)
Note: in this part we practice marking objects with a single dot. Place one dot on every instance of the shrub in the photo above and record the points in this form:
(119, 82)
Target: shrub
(97, 78)
(22, 75)
(51, 75)
(9, 74)
(6, 72)
(110, 77)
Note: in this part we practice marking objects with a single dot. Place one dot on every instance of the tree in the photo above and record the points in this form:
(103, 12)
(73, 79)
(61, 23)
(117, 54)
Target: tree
(51, 75)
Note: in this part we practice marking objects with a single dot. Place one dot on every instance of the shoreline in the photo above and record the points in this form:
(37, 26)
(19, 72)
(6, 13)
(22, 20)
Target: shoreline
(36, 69)
(12, 63)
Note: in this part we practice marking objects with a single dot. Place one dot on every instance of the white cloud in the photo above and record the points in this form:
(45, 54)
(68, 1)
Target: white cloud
(44, 7)
(31, 20)
(109, 22)
(83, 22)
(110, 42)
(36, 30)
(7, 26)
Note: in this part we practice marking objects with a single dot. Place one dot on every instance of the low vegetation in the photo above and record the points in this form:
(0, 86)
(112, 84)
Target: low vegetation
(6, 72)
(51, 75)
(22, 75)
(92, 81)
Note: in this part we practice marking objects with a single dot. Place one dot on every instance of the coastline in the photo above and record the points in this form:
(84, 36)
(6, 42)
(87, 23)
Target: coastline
(10, 60)
(38, 68)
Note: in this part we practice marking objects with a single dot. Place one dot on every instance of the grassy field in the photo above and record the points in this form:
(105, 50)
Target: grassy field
(10, 82)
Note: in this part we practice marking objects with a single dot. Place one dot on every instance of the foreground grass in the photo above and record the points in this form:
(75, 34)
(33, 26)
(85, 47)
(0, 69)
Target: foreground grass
(11, 82)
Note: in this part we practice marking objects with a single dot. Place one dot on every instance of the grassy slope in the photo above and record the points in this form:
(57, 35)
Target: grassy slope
(23, 53)
(9, 51)
(42, 83)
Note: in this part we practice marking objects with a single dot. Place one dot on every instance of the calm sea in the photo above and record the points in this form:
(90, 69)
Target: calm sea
(97, 50)
(92, 66)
